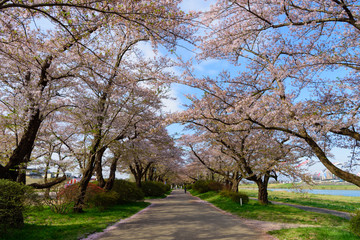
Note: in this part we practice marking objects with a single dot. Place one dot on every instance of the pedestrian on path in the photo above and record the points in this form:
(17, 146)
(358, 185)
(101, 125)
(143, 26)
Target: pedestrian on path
(185, 189)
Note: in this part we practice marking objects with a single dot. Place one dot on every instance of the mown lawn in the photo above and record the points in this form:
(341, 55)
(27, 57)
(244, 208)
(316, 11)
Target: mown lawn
(46, 225)
(286, 214)
(306, 186)
(339, 203)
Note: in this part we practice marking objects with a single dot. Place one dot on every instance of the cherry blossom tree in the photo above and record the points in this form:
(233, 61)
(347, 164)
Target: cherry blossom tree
(106, 117)
(239, 150)
(154, 150)
(298, 67)
(38, 43)
(192, 171)
(45, 65)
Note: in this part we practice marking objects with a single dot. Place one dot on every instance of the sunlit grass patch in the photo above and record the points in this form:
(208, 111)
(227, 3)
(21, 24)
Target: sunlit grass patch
(339, 203)
(46, 225)
(315, 233)
(326, 226)
(285, 214)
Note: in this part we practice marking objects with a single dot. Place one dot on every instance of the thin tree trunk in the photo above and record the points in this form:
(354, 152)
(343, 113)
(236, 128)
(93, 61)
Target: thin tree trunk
(47, 192)
(87, 173)
(110, 182)
(48, 184)
(349, 177)
(136, 175)
(98, 167)
(79, 202)
(22, 173)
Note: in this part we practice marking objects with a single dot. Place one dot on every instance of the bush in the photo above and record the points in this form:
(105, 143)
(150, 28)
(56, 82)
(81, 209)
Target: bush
(13, 200)
(103, 200)
(153, 189)
(70, 193)
(127, 191)
(59, 205)
(355, 223)
(205, 186)
(167, 188)
(235, 196)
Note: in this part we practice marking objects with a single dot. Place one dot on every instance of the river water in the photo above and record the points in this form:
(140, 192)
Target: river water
(348, 193)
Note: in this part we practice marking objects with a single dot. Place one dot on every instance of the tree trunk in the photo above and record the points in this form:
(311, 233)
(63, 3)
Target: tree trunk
(110, 182)
(87, 173)
(22, 174)
(262, 189)
(98, 167)
(48, 184)
(348, 177)
(79, 202)
(24, 149)
(151, 176)
(47, 192)
(136, 175)
(235, 185)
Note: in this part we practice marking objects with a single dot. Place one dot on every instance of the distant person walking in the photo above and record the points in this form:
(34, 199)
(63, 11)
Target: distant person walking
(185, 189)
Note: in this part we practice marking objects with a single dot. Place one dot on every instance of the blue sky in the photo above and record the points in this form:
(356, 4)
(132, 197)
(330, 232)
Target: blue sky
(212, 68)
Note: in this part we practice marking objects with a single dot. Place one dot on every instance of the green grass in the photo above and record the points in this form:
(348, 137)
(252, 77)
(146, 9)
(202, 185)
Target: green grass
(285, 214)
(320, 233)
(46, 225)
(323, 186)
(333, 202)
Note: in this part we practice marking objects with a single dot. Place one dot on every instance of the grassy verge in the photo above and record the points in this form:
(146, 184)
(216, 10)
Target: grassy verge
(46, 225)
(339, 203)
(320, 233)
(285, 214)
(340, 186)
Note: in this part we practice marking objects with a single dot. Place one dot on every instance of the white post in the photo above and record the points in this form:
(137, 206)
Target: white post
(240, 201)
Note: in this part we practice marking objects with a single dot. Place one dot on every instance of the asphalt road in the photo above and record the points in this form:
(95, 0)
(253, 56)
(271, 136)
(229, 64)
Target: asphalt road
(181, 216)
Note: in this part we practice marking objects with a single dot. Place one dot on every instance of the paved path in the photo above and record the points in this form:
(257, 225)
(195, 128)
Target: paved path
(182, 216)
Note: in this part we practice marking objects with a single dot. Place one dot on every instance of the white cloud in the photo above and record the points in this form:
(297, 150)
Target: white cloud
(173, 104)
(147, 50)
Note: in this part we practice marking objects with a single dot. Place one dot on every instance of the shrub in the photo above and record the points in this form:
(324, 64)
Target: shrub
(13, 199)
(235, 196)
(205, 186)
(355, 223)
(103, 200)
(127, 191)
(59, 205)
(215, 186)
(167, 188)
(70, 193)
(188, 186)
(153, 189)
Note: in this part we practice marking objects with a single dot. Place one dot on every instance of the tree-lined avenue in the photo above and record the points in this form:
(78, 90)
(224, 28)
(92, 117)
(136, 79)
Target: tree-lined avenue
(181, 216)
